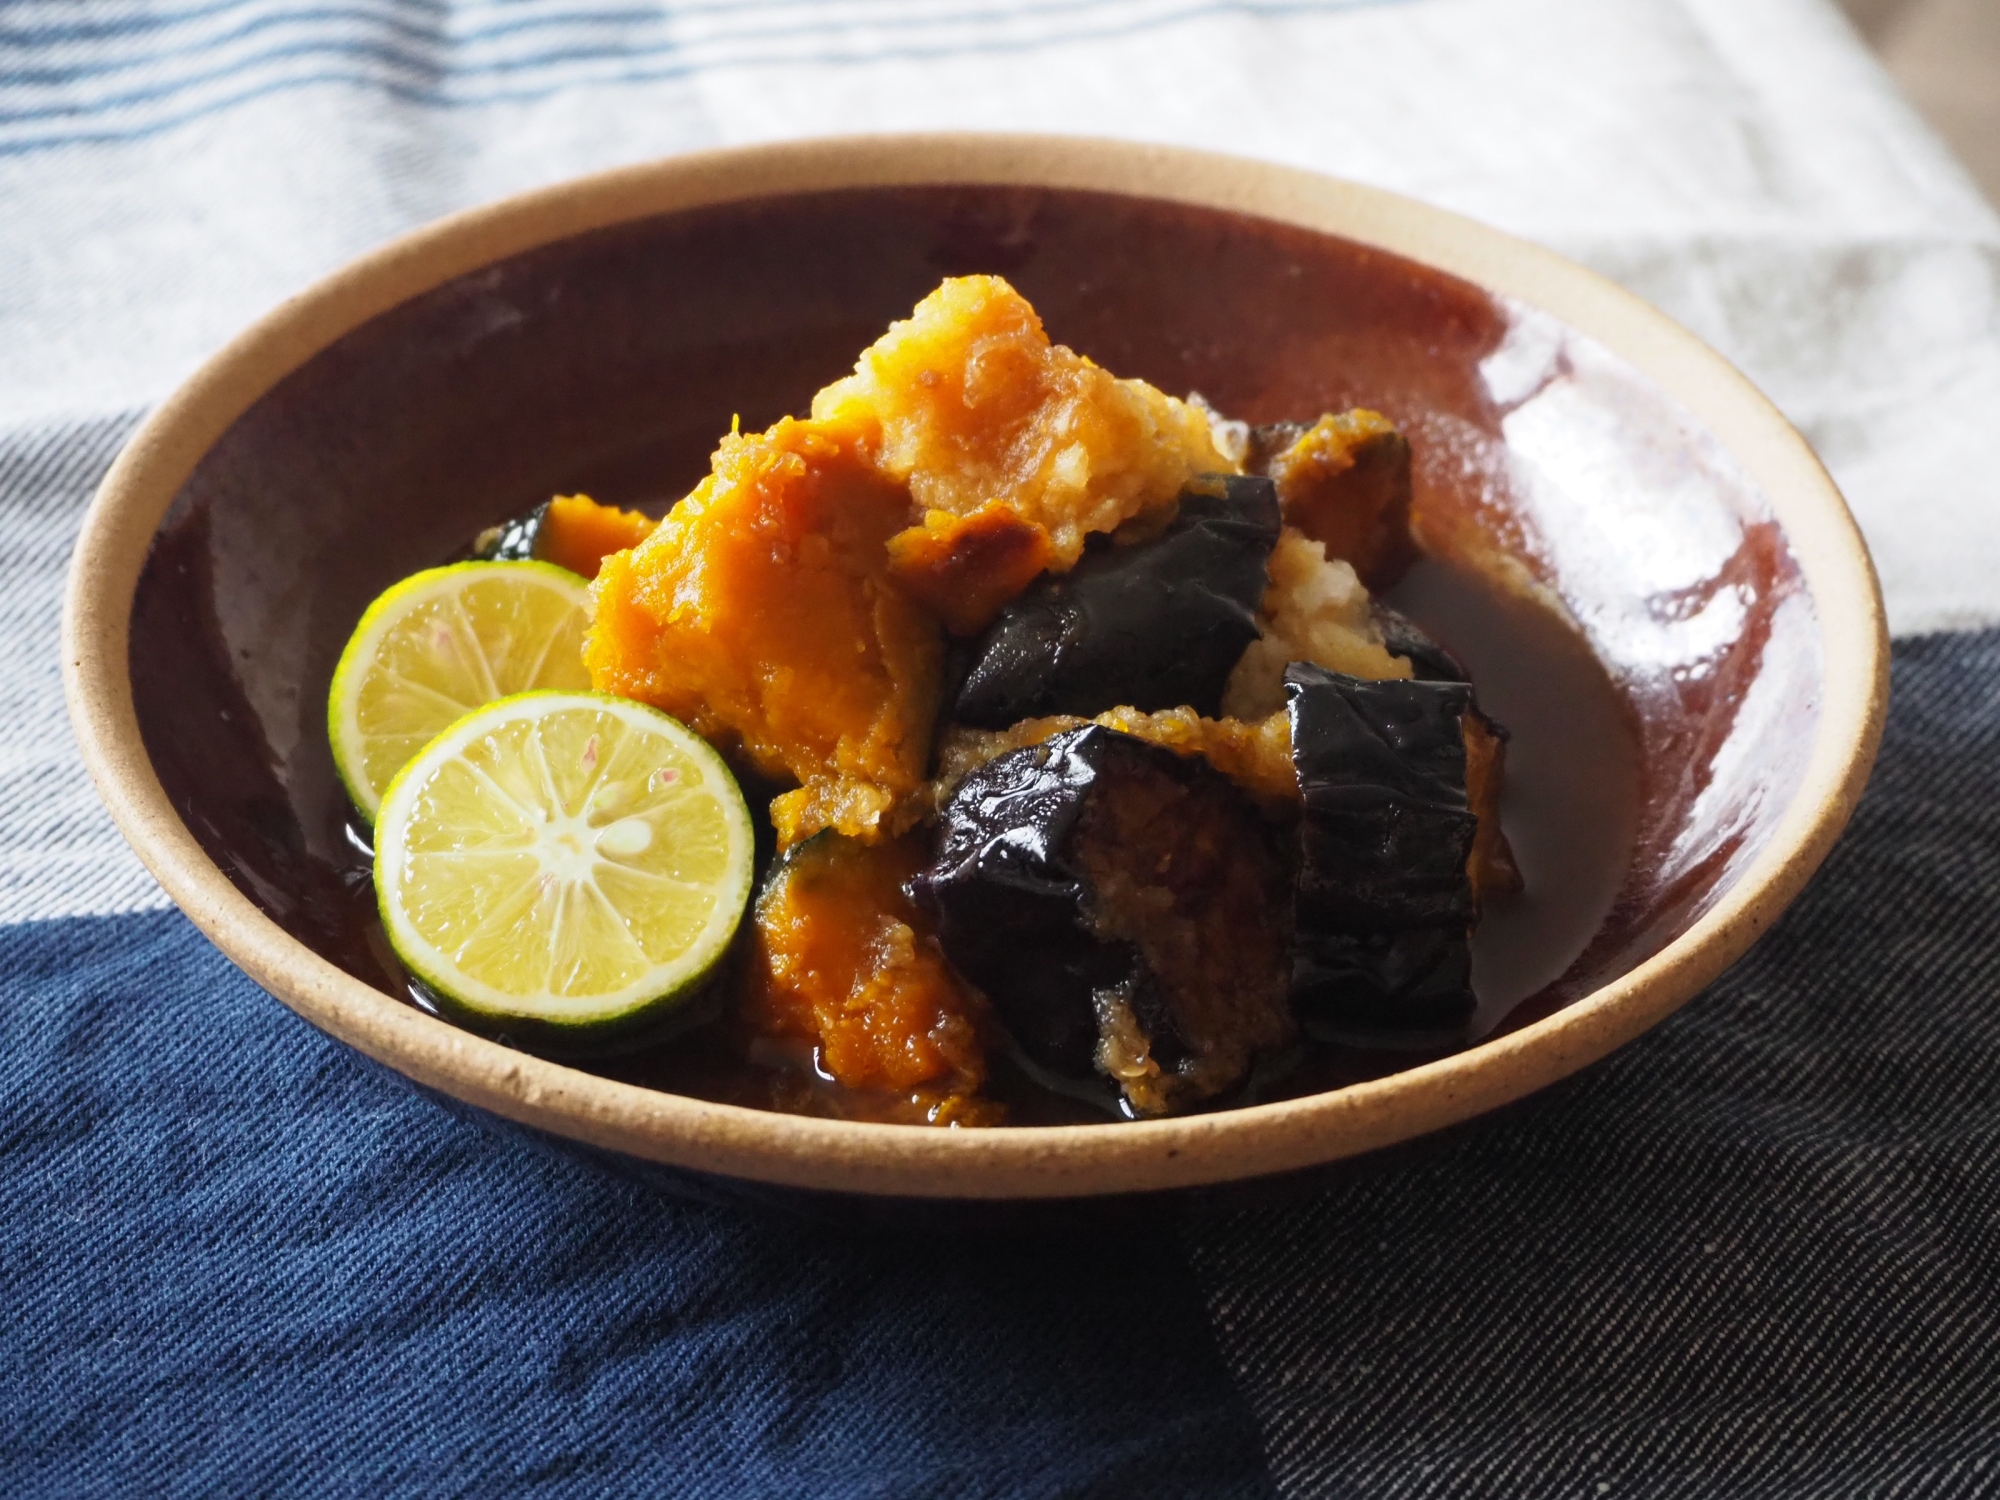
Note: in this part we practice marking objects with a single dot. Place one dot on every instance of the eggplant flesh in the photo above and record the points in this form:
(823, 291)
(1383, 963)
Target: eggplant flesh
(1383, 899)
(1124, 908)
(1150, 625)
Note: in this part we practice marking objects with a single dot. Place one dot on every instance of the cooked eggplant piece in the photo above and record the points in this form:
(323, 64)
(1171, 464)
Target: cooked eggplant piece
(1148, 625)
(1255, 756)
(1494, 872)
(512, 540)
(1384, 898)
(1124, 908)
(1429, 661)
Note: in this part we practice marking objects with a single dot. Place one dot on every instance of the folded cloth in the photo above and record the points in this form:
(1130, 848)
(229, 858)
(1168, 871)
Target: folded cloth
(246, 1265)
(1751, 1253)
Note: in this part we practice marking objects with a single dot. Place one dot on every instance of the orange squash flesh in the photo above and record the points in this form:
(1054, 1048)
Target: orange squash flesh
(1345, 482)
(967, 567)
(841, 957)
(761, 614)
(971, 405)
(577, 533)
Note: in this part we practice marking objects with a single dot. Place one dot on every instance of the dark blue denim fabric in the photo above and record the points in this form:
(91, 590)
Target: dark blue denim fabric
(239, 1261)
(1755, 1253)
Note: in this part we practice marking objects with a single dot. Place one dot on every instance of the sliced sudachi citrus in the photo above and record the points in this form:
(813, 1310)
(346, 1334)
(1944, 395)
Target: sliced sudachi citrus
(563, 866)
(438, 645)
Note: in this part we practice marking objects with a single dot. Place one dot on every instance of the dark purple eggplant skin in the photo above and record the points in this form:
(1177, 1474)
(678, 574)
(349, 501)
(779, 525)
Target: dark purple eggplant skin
(1150, 625)
(1429, 661)
(1384, 907)
(1010, 905)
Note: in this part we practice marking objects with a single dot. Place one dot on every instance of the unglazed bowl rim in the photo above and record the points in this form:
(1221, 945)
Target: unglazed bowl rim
(912, 1161)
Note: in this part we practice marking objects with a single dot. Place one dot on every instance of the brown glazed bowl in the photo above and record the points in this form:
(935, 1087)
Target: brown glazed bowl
(1655, 582)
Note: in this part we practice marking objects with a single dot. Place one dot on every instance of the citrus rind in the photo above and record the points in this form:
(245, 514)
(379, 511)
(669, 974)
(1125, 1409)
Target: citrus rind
(568, 864)
(377, 719)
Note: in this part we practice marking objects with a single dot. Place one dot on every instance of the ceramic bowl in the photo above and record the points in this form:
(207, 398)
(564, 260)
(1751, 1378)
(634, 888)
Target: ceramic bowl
(1585, 468)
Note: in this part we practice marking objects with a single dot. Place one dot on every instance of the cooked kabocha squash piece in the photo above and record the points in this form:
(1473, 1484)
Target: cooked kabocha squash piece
(1345, 482)
(971, 405)
(578, 533)
(967, 567)
(1125, 910)
(760, 613)
(1385, 898)
(841, 958)
(1152, 624)
(571, 531)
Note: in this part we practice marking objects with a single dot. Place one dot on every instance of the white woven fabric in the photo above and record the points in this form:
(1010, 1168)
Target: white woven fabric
(169, 171)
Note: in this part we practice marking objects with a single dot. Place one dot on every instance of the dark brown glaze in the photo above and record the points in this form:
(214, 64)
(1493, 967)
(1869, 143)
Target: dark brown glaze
(1625, 603)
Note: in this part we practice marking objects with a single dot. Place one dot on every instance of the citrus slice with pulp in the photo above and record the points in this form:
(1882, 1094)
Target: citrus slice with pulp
(563, 866)
(438, 645)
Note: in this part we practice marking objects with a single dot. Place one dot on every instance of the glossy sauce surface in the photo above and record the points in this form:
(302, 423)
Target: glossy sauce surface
(1624, 603)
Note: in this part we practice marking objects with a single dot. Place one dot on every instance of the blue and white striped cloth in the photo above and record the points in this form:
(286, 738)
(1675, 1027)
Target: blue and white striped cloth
(1756, 1253)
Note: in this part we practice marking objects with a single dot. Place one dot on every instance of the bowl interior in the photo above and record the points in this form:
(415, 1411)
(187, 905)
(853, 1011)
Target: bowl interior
(1627, 604)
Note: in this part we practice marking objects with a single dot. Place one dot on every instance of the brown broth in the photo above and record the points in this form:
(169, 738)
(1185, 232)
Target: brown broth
(1571, 798)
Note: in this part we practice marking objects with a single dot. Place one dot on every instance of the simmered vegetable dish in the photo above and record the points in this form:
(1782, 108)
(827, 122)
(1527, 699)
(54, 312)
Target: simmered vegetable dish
(1079, 746)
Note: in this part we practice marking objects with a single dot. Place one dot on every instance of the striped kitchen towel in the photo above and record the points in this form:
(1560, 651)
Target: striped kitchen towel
(1755, 1253)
